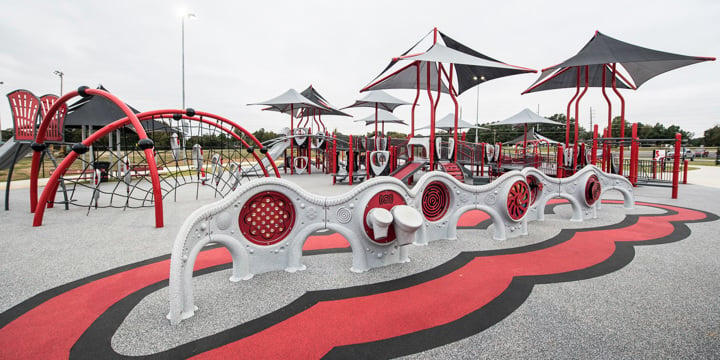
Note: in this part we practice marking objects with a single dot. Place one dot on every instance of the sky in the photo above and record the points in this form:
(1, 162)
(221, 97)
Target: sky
(241, 52)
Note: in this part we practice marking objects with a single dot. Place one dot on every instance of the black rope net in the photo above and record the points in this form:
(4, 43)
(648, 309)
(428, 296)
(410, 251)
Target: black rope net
(115, 173)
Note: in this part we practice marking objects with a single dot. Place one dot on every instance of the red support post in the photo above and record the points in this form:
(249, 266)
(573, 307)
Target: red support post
(676, 167)
(367, 165)
(593, 156)
(560, 172)
(567, 117)
(351, 160)
(622, 116)
(431, 154)
(334, 156)
(577, 118)
(685, 170)
(634, 155)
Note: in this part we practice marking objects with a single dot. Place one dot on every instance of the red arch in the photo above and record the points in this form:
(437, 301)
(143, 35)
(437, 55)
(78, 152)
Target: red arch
(51, 188)
(166, 113)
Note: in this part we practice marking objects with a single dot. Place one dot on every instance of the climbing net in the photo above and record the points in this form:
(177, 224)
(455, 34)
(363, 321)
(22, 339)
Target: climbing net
(114, 173)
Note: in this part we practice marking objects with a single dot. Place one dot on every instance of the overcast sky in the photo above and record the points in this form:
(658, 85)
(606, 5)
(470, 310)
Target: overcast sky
(240, 52)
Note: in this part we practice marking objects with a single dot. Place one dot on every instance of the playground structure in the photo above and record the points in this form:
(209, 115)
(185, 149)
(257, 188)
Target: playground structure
(265, 224)
(39, 122)
(135, 175)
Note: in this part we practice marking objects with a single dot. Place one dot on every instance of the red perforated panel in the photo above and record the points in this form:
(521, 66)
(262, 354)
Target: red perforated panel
(55, 128)
(25, 108)
(387, 200)
(267, 218)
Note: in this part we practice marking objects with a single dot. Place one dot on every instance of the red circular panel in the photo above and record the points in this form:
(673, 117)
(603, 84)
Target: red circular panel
(435, 201)
(518, 200)
(267, 218)
(592, 190)
(535, 187)
(387, 200)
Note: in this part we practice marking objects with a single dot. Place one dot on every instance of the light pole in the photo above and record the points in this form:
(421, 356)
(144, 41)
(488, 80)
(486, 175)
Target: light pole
(1, 83)
(184, 15)
(60, 74)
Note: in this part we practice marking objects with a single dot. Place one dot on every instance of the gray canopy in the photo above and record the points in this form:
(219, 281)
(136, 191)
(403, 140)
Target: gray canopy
(326, 108)
(383, 116)
(471, 67)
(530, 136)
(289, 101)
(379, 99)
(94, 110)
(641, 64)
(447, 123)
(526, 116)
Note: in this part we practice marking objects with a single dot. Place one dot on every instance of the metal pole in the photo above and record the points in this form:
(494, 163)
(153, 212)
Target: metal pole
(182, 25)
(60, 74)
(1, 83)
(477, 113)
(185, 15)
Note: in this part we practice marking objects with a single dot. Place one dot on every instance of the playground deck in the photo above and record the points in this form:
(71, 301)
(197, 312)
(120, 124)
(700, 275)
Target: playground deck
(95, 286)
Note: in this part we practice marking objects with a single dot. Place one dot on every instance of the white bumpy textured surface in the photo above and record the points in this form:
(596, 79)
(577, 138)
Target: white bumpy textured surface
(444, 198)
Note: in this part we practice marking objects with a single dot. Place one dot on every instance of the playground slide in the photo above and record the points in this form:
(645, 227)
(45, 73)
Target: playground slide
(8, 150)
(275, 152)
(406, 171)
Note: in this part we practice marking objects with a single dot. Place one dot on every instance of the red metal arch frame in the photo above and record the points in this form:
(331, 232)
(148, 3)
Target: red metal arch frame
(51, 188)
(70, 158)
(200, 116)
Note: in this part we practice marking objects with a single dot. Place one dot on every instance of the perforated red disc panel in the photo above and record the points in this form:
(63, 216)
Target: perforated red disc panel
(435, 201)
(387, 200)
(592, 190)
(267, 218)
(518, 200)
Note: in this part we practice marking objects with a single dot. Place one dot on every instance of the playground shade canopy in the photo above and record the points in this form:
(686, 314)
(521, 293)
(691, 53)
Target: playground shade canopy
(526, 116)
(471, 68)
(326, 109)
(288, 102)
(447, 123)
(532, 135)
(641, 64)
(94, 111)
(382, 116)
(379, 99)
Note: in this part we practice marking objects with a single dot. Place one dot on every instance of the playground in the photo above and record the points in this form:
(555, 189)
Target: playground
(176, 233)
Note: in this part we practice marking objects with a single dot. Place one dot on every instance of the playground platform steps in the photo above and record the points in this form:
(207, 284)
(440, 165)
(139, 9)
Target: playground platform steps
(453, 170)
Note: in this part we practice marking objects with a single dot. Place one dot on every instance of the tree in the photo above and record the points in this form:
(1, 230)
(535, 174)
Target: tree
(712, 136)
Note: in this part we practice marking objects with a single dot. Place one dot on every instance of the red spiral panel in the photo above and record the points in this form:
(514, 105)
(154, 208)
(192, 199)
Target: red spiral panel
(518, 200)
(435, 201)
(593, 190)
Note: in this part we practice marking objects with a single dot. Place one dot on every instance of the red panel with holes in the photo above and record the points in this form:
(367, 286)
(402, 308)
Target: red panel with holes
(25, 108)
(267, 218)
(54, 131)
